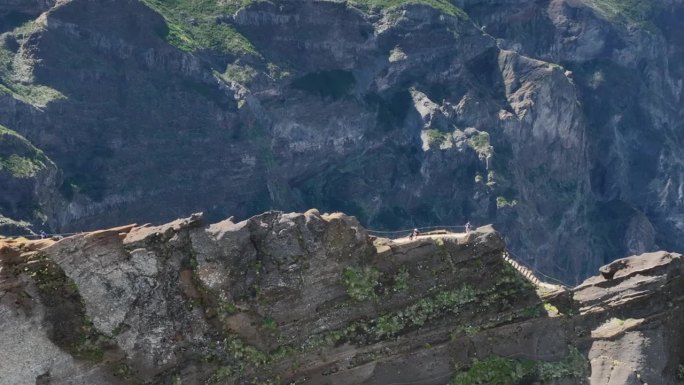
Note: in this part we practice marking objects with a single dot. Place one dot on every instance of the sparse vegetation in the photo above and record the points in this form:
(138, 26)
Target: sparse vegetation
(638, 13)
(331, 84)
(10, 81)
(75, 332)
(387, 325)
(502, 202)
(361, 282)
(680, 372)
(436, 137)
(122, 370)
(505, 371)
(269, 324)
(401, 280)
(550, 308)
(494, 371)
(491, 179)
(441, 5)
(196, 25)
(23, 165)
(20, 167)
(242, 74)
(478, 178)
(275, 72)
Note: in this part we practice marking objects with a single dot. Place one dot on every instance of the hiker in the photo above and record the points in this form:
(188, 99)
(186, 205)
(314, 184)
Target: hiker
(468, 227)
(43, 235)
(414, 234)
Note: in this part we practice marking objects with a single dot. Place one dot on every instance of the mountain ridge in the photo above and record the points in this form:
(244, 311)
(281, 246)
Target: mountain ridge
(557, 121)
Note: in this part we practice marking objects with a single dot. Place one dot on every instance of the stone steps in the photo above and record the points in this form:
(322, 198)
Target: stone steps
(529, 275)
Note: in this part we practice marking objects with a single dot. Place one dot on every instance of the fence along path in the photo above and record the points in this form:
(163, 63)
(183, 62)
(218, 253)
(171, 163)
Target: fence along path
(402, 236)
(405, 233)
(530, 274)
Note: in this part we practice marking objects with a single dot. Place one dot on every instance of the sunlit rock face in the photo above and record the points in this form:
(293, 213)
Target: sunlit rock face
(312, 298)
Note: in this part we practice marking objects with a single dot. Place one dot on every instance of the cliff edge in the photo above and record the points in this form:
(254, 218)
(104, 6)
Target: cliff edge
(313, 299)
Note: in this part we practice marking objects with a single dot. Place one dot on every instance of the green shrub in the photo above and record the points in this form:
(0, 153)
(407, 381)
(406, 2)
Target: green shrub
(502, 202)
(491, 179)
(478, 178)
(35, 94)
(639, 13)
(550, 308)
(441, 5)
(193, 25)
(573, 365)
(436, 137)
(361, 282)
(401, 280)
(276, 73)
(505, 371)
(269, 324)
(494, 371)
(20, 167)
(480, 143)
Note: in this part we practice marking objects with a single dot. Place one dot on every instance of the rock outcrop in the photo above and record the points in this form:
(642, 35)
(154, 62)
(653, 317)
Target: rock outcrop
(312, 299)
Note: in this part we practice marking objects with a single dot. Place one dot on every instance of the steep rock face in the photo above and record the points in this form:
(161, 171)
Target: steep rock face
(30, 183)
(310, 298)
(625, 60)
(634, 316)
(534, 116)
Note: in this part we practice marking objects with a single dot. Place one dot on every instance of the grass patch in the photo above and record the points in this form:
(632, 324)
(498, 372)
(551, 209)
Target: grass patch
(195, 25)
(505, 371)
(35, 94)
(440, 5)
(436, 137)
(401, 280)
(27, 160)
(638, 13)
(502, 202)
(481, 144)
(20, 167)
(390, 324)
(241, 74)
(361, 282)
(333, 84)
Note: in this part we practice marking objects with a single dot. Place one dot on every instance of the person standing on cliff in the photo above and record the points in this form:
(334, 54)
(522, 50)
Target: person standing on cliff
(414, 234)
(468, 227)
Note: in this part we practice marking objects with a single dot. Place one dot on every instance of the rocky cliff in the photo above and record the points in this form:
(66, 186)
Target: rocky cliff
(312, 299)
(557, 120)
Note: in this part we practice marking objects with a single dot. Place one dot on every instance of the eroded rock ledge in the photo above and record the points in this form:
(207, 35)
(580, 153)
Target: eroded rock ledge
(312, 299)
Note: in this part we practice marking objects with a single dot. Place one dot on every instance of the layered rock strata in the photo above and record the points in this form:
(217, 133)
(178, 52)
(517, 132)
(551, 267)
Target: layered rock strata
(312, 299)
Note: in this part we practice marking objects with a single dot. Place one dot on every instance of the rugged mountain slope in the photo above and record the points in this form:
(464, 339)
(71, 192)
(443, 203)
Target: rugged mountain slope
(560, 121)
(311, 299)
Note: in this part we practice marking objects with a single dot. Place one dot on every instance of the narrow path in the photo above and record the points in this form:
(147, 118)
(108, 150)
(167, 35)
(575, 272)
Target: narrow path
(524, 271)
(529, 275)
(405, 240)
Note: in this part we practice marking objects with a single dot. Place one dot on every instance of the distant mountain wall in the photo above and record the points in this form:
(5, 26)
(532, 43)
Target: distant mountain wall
(558, 121)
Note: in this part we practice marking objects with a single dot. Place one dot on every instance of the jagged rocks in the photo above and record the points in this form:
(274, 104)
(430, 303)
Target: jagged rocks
(309, 297)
